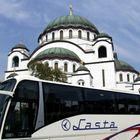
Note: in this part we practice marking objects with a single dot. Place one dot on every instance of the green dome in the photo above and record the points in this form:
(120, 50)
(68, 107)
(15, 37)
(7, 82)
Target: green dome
(19, 46)
(82, 68)
(71, 21)
(57, 53)
(103, 35)
(137, 79)
(123, 66)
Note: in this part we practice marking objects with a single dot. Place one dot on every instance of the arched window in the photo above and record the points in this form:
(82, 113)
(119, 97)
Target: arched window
(102, 52)
(65, 67)
(103, 77)
(70, 33)
(53, 36)
(15, 62)
(61, 35)
(46, 37)
(128, 78)
(133, 77)
(74, 67)
(94, 36)
(81, 82)
(88, 36)
(79, 34)
(56, 65)
(121, 77)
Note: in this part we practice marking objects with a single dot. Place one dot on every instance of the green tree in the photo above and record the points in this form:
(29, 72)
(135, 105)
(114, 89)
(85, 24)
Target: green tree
(43, 71)
(58, 75)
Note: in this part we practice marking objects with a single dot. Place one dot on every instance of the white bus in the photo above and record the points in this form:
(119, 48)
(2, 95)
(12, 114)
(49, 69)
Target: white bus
(35, 109)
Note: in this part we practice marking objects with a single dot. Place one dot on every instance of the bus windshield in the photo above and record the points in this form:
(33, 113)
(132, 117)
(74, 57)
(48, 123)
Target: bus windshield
(8, 85)
(3, 103)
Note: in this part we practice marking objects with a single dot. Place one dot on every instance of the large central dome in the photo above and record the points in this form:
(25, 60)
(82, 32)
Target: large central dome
(70, 21)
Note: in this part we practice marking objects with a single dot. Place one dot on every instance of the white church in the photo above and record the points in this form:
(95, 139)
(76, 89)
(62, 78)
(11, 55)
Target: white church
(74, 44)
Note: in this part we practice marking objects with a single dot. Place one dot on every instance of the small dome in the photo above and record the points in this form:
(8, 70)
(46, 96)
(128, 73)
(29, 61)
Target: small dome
(57, 53)
(82, 68)
(70, 21)
(137, 79)
(19, 46)
(103, 35)
(123, 66)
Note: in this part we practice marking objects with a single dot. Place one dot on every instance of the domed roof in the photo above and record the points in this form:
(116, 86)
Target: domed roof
(57, 53)
(103, 35)
(137, 79)
(123, 66)
(82, 68)
(19, 46)
(71, 21)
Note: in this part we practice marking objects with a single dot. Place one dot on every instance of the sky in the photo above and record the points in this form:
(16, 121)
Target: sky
(22, 21)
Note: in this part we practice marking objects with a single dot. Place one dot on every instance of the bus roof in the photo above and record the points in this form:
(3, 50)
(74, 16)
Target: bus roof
(28, 77)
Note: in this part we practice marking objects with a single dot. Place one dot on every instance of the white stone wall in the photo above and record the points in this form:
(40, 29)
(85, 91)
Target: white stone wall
(136, 86)
(97, 73)
(82, 77)
(23, 55)
(125, 84)
(65, 45)
(66, 35)
(132, 76)
(109, 49)
(61, 64)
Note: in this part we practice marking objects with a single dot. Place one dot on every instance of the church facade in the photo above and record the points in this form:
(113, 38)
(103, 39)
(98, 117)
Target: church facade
(74, 44)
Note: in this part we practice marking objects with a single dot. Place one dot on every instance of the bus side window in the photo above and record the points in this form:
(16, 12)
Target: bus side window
(133, 104)
(20, 121)
(99, 102)
(127, 103)
(122, 103)
(61, 102)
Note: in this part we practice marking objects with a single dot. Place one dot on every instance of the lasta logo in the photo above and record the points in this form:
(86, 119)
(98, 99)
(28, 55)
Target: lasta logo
(84, 124)
(66, 125)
